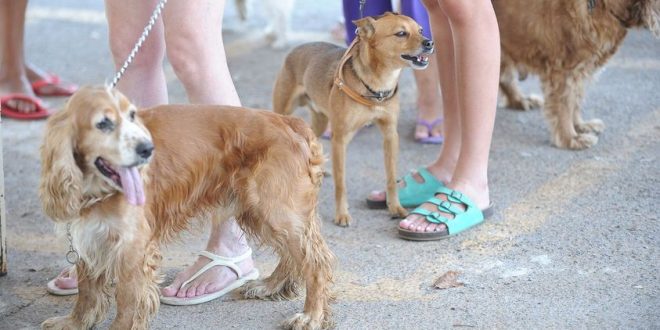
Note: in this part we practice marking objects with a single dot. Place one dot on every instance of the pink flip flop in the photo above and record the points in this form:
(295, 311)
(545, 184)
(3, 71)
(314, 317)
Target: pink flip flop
(431, 139)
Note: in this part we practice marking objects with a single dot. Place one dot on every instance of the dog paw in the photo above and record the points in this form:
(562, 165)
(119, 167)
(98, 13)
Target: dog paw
(578, 142)
(343, 220)
(60, 323)
(525, 103)
(398, 211)
(301, 321)
(595, 126)
(261, 290)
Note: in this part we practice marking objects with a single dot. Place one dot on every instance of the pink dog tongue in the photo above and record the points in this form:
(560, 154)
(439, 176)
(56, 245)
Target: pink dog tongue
(131, 182)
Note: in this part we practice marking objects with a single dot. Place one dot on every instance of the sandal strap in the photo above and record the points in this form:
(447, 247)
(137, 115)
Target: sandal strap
(217, 260)
(431, 124)
(431, 216)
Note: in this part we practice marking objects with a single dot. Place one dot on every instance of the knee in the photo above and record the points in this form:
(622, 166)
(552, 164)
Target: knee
(150, 54)
(461, 12)
(190, 56)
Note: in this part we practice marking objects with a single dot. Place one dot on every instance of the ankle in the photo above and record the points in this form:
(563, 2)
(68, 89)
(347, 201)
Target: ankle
(477, 190)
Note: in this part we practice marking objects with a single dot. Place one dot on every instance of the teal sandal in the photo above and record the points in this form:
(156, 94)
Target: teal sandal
(413, 193)
(462, 220)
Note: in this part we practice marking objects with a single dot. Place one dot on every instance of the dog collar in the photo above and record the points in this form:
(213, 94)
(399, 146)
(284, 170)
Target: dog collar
(371, 100)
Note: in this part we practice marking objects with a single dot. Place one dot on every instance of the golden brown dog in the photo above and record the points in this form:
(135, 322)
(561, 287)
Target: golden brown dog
(353, 87)
(565, 42)
(98, 172)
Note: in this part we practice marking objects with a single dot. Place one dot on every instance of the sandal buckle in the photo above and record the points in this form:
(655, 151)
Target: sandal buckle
(456, 194)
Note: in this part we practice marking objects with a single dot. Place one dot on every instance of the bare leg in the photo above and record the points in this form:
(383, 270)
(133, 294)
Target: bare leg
(144, 81)
(429, 102)
(470, 100)
(12, 67)
(195, 48)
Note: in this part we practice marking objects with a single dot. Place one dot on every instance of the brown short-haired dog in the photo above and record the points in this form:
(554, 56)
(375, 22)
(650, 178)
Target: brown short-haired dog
(565, 42)
(353, 87)
(98, 172)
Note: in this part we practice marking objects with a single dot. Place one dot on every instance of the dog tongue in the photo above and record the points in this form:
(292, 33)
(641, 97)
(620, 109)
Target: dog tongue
(131, 182)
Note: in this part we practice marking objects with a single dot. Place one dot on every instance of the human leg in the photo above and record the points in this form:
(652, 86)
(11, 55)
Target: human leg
(195, 49)
(429, 117)
(144, 81)
(13, 79)
(473, 28)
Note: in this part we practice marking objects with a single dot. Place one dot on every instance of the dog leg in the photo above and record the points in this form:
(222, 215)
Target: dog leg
(287, 93)
(561, 104)
(91, 304)
(391, 154)
(314, 258)
(339, 142)
(280, 285)
(319, 122)
(515, 99)
(594, 126)
(137, 291)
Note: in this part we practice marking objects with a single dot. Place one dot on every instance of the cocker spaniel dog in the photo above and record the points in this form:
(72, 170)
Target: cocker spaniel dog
(565, 42)
(129, 180)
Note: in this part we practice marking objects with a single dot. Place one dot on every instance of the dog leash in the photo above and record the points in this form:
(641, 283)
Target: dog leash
(138, 44)
(357, 97)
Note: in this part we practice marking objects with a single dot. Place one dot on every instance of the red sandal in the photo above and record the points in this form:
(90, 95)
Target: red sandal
(59, 88)
(9, 111)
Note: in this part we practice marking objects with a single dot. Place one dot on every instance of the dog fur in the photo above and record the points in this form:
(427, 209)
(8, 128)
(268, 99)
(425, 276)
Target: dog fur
(565, 42)
(209, 162)
(279, 18)
(307, 76)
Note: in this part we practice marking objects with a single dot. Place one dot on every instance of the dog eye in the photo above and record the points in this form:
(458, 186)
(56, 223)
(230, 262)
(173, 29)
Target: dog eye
(401, 34)
(421, 31)
(105, 125)
(132, 115)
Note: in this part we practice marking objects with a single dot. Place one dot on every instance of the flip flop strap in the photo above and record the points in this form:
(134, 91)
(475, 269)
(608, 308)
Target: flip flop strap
(217, 260)
(429, 125)
(423, 172)
(50, 79)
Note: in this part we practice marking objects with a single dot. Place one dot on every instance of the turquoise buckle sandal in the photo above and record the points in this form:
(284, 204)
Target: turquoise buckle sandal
(461, 220)
(413, 193)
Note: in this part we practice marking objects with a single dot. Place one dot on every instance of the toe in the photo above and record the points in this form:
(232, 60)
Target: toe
(377, 195)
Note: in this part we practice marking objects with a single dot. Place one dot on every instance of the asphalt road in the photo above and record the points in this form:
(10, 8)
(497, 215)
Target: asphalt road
(574, 242)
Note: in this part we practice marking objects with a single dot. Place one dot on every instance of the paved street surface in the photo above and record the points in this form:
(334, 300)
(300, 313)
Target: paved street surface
(574, 242)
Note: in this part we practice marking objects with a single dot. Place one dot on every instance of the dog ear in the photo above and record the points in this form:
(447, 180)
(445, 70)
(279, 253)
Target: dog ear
(365, 27)
(60, 188)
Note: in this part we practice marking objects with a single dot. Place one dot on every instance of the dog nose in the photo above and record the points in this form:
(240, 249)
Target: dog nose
(428, 44)
(144, 149)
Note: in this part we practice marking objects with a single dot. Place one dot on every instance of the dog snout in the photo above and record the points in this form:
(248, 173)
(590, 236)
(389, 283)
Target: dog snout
(428, 45)
(144, 149)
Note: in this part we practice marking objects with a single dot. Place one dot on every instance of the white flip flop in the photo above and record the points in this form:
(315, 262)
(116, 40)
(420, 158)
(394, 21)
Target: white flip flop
(53, 289)
(216, 260)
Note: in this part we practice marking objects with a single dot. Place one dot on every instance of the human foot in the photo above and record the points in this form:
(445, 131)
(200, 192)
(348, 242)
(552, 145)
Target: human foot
(46, 84)
(447, 213)
(66, 283)
(429, 132)
(212, 280)
(18, 85)
(414, 188)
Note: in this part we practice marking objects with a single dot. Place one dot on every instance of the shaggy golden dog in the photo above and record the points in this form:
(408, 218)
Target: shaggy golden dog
(130, 180)
(565, 42)
(352, 87)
